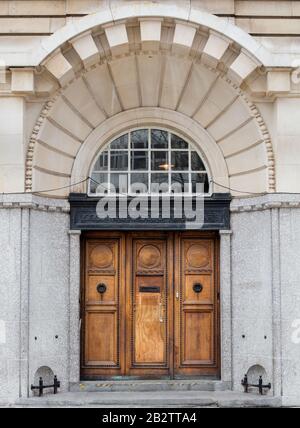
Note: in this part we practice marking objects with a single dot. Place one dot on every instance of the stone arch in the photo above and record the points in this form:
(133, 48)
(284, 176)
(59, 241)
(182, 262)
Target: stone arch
(46, 373)
(255, 372)
(118, 11)
(156, 63)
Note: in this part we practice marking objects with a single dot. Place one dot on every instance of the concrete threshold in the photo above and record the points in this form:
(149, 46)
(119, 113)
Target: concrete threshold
(157, 399)
(150, 385)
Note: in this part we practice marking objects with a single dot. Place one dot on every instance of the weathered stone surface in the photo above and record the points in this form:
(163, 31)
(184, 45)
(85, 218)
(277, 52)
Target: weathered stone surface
(22, 80)
(168, 63)
(87, 50)
(153, 399)
(247, 285)
(12, 113)
(49, 293)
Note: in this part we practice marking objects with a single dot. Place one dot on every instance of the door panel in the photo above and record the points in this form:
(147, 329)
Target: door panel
(101, 349)
(110, 295)
(102, 317)
(198, 348)
(148, 350)
(150, 305)
(196, 312)
(150, 341)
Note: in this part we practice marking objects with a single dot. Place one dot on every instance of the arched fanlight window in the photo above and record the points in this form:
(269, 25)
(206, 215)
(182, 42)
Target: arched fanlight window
(149, 161)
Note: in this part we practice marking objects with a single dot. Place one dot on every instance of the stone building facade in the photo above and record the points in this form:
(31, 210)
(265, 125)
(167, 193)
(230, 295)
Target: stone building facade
(221, 74)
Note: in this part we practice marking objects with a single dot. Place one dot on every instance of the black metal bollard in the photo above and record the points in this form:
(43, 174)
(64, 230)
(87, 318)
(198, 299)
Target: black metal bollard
(260, 386)
(56, 384)
(41, 387)
(245, 384)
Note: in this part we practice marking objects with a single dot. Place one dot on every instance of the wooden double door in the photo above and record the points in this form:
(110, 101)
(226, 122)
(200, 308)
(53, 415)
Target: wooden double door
(150, 305)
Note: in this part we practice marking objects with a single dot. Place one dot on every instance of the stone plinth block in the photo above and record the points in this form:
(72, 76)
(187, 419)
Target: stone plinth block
(22, 80)
(214, 49)
(117, 38)
(150, 33)
(278, 82)
(60, 68)
(87, 49)
(241, 68)
(183, 37)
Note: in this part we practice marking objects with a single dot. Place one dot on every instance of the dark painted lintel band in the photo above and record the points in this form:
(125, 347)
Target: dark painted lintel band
(216, 215)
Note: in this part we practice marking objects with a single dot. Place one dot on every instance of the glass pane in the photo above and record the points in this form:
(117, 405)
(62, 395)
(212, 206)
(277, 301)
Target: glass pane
(180, 161)
(120, 143)
(99, 183)
(197, 164)
(119, 161)
(159, 139)
(160, 161)
(178, 143)
(159, 183)
(139, 160)
(139, 183)
(180, 183)
(200, 183)
(119, 183)
(102, 162)
(139, 139)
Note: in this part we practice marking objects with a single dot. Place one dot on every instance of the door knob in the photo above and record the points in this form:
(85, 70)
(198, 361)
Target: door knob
(101, 288)
(198, 288)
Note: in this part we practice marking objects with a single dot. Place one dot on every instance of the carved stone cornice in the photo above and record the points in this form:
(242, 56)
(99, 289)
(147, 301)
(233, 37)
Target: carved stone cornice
(32, 202)
(264, 203)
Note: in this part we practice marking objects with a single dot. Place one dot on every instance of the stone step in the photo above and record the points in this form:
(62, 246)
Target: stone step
(162, 399)
(150, 386)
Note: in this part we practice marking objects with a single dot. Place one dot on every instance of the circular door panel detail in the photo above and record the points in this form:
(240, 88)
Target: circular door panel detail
(101, 256)
(198, 256)
(149, 256)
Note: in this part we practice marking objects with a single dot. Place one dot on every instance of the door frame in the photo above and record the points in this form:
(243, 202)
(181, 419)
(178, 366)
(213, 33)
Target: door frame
(171, 240)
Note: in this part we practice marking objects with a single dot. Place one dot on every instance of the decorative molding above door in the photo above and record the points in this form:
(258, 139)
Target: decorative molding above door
(84, 215)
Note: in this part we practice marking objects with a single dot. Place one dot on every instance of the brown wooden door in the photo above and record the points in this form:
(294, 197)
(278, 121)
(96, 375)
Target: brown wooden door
(103, 314)
(149, 305)
(148, 327)
(197, 306)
